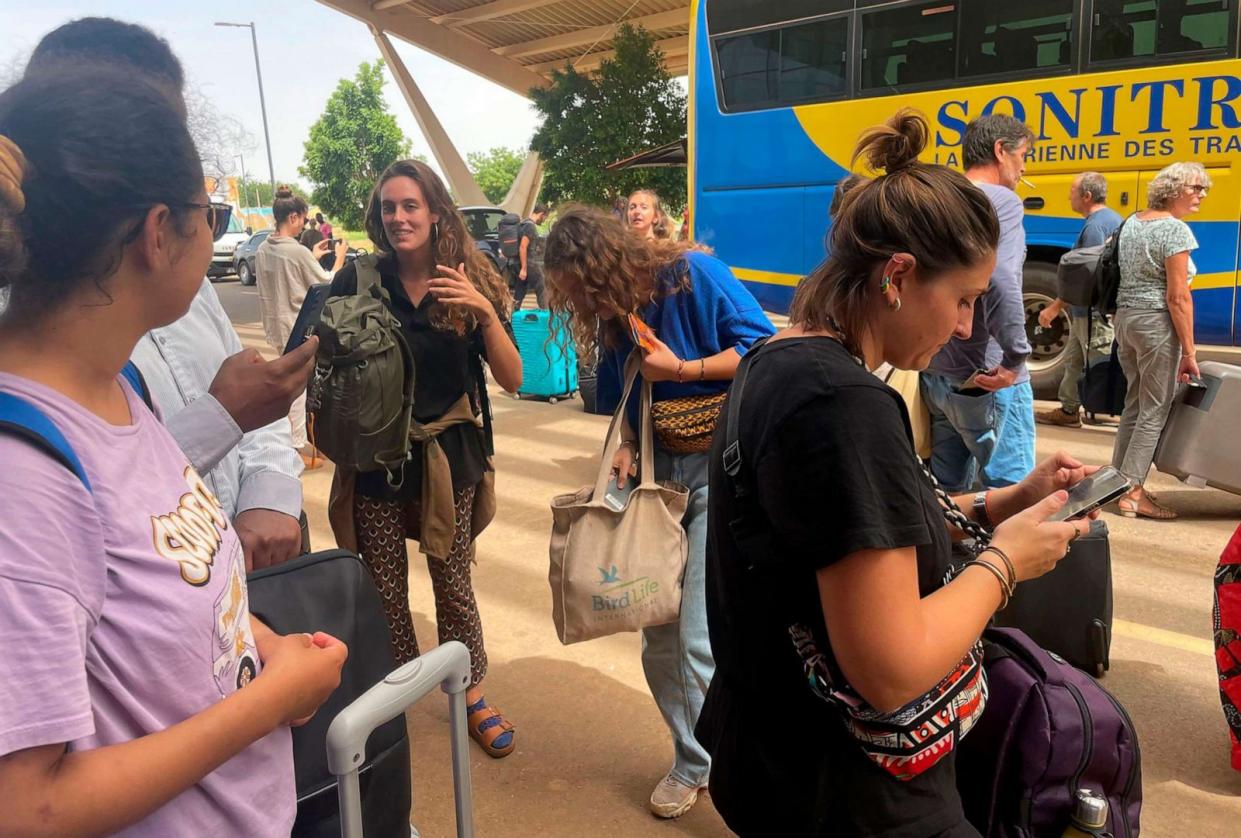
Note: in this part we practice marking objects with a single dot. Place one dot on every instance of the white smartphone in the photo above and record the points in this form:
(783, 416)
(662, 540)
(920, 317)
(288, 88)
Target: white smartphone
(1094, 492)
(616, 498)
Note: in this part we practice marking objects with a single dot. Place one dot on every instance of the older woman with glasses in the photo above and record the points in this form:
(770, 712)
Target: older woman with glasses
(1155, 322)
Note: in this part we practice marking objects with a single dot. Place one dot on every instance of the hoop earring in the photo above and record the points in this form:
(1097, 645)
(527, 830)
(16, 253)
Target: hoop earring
(895, 305)
(435, 233)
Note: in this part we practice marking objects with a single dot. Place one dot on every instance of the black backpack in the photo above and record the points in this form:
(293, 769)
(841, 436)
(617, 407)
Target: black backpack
(1107, 274)
(510, 235)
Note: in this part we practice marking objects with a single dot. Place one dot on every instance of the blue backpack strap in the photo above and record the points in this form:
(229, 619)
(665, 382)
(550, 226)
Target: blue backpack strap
(134, 376)
(20, 418)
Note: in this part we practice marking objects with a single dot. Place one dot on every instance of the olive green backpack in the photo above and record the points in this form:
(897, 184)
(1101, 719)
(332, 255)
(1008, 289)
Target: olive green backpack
(361, 399)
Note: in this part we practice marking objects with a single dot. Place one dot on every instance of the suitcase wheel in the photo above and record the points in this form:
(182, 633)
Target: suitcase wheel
(552, 400)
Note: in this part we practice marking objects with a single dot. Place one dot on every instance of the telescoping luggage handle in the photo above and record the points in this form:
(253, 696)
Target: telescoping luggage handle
(446, 666)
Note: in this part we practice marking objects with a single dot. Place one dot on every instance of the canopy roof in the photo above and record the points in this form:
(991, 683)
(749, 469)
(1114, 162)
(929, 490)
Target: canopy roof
(518, 43)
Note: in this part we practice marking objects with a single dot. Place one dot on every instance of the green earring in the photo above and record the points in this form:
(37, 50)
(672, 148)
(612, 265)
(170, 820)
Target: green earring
(883, 286)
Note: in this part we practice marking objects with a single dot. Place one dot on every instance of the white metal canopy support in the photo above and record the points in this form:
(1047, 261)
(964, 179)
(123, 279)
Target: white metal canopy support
(448, 44)
(458, 174)
(524, 192)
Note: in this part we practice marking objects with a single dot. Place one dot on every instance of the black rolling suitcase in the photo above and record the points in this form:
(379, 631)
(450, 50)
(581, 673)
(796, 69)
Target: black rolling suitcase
(332, 591)
(1069, 610)
(1102, 386)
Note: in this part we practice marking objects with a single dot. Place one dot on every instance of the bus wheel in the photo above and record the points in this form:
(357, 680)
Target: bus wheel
(1047, 345)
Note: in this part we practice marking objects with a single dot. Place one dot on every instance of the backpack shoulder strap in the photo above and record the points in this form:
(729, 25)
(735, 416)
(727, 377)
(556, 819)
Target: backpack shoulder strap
(134, 376)
(367, 268)
(733, 457)
(21, 418)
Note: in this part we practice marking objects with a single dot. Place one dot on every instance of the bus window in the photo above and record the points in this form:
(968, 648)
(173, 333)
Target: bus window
(812, 60)
(781, 66)
(908, 46)
(1015, 38)
(1128, 29)
(749, 68)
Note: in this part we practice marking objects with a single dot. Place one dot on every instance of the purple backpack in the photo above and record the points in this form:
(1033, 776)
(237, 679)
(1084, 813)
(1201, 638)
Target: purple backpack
(1048, 730)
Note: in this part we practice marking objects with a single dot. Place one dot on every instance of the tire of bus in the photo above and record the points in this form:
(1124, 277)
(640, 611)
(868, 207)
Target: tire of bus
(1047, 345)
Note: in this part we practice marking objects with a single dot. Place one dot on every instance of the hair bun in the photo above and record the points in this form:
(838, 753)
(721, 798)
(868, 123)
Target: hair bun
(896, 144)
(283, 192)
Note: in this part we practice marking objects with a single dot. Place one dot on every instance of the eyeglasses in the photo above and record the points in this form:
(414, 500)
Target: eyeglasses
(1198, 189)
(218, 216)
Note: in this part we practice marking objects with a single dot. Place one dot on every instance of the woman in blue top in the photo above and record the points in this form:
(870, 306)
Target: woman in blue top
(597, 274)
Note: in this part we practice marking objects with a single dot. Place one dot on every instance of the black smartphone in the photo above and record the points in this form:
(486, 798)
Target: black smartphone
(1093, 492)
(308, 316)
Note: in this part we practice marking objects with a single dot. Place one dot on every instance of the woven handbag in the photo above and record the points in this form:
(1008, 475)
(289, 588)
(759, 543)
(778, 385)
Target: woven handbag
(686, 425)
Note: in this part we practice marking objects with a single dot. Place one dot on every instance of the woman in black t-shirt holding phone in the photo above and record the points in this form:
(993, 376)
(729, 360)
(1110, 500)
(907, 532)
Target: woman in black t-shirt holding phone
(839, 534)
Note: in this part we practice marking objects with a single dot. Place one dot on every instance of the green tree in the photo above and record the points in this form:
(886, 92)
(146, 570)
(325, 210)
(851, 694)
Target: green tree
(494, 171)
(630, 105)
(351, 144)
(252, 189)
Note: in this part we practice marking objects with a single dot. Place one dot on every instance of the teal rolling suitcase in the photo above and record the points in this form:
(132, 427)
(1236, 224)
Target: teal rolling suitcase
(548, 369)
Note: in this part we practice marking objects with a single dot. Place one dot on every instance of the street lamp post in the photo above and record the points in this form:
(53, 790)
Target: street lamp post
(271, 168)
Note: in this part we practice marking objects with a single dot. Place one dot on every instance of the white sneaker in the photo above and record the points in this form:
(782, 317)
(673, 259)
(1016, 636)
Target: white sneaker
(672, 798)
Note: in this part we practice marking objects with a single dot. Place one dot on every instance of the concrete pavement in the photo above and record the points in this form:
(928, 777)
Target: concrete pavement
(591, 744)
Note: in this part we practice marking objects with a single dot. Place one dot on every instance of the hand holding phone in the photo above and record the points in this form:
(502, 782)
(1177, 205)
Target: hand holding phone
(642, 334)
(970, 386)
(617, 498)
(1093, 492)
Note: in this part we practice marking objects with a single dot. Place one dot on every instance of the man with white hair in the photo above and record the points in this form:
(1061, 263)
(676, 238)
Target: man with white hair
(1087, 196)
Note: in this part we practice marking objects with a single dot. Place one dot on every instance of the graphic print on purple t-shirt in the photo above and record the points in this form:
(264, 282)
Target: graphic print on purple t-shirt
(191, 536)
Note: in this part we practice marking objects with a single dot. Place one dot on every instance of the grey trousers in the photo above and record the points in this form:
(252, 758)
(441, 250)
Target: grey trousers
(1081, 351)
(1150, 354)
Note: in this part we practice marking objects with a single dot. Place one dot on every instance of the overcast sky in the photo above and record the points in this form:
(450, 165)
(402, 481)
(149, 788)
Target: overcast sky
(305, 49)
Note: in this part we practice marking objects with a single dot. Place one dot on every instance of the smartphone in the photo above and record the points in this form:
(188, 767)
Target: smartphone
(642, 334)
(616, 498)
(1096, 491)
(308, 316)
(970, 387)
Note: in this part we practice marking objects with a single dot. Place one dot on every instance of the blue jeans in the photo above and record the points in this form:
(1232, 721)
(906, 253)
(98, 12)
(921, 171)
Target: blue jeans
(676, 657)
(987, 438)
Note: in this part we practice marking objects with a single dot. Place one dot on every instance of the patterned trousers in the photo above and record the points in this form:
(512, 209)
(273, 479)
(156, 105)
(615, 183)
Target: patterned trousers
(382, 528)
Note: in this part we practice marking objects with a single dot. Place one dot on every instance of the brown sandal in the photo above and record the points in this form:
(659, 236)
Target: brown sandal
(492, 732)
(1131, 508)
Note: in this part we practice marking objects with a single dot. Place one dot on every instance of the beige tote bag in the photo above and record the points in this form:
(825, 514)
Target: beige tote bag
(618, 571)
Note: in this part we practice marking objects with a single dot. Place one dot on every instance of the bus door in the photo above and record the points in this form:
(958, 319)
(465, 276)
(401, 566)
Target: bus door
(1215, 228)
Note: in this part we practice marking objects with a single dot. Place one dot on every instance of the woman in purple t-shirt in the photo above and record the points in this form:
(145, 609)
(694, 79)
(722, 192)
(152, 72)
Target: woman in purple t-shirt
(137, 695)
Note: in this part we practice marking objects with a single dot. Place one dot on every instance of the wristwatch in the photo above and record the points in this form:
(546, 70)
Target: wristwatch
(980, 510)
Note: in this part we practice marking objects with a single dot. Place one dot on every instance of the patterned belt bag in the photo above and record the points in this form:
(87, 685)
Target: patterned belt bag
(908, 741)
(686, 425)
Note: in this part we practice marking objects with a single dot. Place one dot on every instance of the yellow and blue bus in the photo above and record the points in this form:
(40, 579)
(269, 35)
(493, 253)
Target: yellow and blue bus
(779, 92)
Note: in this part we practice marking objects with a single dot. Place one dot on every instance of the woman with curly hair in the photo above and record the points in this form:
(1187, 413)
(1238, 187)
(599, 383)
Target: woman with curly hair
(454, 314)
(1155, 322)
(704, 320)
